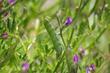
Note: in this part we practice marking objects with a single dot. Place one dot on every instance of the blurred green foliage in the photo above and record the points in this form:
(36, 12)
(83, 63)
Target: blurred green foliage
(37, 33)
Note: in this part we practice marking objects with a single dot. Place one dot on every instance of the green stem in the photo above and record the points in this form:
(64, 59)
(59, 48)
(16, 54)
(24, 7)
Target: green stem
(70, 39)
(97, 38)
(94, 8)
(109, 61)
(61, 34)
(59, 62)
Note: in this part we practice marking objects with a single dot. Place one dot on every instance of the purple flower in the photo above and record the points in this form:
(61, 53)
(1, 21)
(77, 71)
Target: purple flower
(25, 66)
(82, 51)
(68, 21)
(88, 70)
(75, 58)
(92, 66)
(11, 2)
(5, 35)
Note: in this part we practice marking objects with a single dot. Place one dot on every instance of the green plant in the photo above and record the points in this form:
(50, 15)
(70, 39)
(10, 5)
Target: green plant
(54, 36)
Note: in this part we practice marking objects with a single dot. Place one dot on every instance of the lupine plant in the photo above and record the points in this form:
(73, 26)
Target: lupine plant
(54, 36)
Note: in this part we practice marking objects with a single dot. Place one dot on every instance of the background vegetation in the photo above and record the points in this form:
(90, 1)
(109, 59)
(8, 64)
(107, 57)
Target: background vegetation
(34, 31)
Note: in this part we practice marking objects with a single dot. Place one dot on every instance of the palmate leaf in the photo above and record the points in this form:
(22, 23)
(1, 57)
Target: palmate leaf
(54, 38)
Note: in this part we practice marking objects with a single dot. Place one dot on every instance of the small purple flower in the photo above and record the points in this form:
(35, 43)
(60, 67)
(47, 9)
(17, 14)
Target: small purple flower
(68, 21)
(88, 70)
(75, 58)
(92, 66)
(11, 2)
(5, 35)
(25, 66)
(82, 51)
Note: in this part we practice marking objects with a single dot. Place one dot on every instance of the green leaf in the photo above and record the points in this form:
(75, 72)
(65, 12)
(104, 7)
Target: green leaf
(54, 38)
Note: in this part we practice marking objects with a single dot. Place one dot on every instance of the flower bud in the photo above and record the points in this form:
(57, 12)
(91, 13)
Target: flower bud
(68, 21)
(11, 2)
(75, 58)
(25, 66)
(90, 68)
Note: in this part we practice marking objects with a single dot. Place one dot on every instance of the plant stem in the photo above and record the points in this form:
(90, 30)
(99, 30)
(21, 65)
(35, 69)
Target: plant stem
(61, 34)
(94, 8)
(72, 31)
